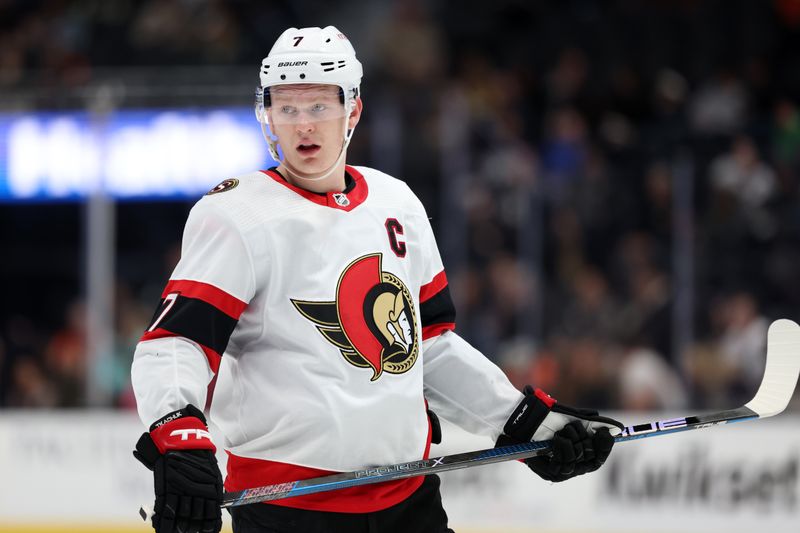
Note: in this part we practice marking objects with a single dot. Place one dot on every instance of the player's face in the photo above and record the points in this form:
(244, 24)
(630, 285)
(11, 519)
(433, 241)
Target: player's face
(309, 122)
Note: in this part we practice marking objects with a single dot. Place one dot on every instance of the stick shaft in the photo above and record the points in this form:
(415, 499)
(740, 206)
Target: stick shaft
(458, 461)
(436, 465)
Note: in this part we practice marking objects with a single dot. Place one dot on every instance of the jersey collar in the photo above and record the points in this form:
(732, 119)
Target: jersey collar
(345, 201)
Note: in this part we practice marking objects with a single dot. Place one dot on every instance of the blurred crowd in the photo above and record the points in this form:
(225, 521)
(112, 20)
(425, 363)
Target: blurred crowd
(614, 185)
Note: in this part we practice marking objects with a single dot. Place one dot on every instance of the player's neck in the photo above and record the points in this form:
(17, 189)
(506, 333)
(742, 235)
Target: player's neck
(335, 182)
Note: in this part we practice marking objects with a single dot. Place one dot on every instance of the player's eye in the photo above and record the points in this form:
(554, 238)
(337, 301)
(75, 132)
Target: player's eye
(288, 110)
(318, 108)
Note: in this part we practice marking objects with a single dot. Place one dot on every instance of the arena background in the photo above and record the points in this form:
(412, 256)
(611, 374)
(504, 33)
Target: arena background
(613, 184)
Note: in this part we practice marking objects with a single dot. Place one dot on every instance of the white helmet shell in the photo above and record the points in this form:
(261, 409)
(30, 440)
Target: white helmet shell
(313, 55)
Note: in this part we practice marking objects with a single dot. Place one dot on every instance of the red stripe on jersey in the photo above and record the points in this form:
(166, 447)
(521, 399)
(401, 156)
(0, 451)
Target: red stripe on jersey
(230, 305)
(245, 473)
(427, 291)
(435, 330)
(355, 197)
(360, 190)
(159, 333)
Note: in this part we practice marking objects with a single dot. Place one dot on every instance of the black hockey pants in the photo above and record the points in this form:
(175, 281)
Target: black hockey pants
(422, 512)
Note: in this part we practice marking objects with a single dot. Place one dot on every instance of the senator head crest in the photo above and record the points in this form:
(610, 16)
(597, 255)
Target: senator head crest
(372, 321)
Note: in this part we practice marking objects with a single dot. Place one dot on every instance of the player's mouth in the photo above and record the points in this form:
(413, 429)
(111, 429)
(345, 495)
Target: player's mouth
(308, 149)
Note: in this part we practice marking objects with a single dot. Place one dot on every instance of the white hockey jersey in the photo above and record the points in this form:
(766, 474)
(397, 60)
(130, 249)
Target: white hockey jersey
(336, 324)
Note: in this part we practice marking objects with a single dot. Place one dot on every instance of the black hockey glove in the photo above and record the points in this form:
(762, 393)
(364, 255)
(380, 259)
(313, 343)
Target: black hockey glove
(581, 440)
(188, 484)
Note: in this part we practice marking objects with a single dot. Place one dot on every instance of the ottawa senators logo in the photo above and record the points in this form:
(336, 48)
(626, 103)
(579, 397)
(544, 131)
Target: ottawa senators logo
(372, 321)
(226, 185)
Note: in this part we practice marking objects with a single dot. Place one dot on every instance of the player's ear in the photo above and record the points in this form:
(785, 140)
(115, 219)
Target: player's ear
(355, 114)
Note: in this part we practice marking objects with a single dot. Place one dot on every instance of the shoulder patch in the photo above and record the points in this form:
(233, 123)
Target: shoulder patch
(226, 185)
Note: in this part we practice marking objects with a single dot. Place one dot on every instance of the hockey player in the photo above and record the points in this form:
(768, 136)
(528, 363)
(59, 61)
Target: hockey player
(322, 285)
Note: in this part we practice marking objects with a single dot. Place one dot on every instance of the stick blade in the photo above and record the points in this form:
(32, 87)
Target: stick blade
(782, 370)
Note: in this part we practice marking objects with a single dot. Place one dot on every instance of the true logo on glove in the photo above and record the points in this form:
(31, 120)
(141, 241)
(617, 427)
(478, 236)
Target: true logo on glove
(198, 433)
(522, 412)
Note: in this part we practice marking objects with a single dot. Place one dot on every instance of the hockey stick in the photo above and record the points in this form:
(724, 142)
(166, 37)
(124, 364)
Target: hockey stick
(774, 393)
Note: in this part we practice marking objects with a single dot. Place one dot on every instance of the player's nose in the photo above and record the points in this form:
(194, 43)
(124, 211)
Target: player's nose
(305, 126)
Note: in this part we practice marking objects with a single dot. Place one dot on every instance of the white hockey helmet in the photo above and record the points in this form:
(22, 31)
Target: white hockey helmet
(309, 56)
(313, 55)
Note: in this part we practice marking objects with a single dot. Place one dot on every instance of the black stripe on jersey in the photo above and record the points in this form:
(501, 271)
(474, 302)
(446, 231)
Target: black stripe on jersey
(198, 321)
(323, 313)
(438, 309)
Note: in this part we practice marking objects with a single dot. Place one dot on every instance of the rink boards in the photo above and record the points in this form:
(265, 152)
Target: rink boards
(73, 471)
